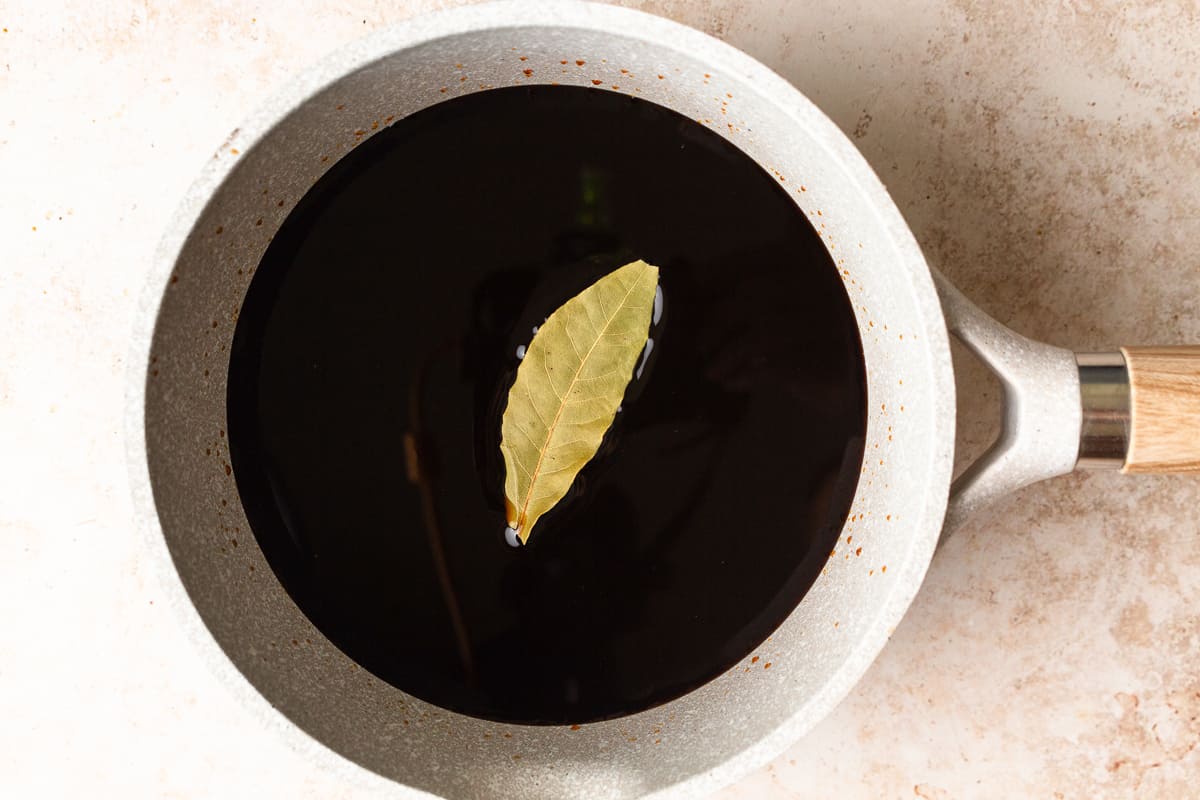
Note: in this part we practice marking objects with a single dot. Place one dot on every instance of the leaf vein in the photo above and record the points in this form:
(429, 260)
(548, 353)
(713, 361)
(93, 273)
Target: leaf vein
(550, 379)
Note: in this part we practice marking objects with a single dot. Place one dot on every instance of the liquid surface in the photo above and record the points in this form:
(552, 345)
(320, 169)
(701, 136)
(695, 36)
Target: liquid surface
(372, 360)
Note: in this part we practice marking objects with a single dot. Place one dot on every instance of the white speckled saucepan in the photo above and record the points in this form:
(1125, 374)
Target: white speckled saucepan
(1060, 410)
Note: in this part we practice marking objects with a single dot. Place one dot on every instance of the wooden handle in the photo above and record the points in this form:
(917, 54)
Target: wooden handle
(1164, 405)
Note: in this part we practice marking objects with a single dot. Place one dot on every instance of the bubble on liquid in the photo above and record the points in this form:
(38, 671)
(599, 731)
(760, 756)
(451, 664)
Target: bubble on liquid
(658, 304)
(520, 351)
(510, 536)
(645, 356)
(535, 330)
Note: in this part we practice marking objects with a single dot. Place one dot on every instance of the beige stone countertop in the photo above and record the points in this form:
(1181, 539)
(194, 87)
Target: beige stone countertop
(1047, 155)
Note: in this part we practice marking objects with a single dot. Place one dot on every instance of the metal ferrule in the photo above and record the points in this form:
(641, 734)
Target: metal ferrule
(1104, 394)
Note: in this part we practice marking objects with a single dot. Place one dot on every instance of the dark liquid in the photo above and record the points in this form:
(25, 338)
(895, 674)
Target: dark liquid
(392, 304)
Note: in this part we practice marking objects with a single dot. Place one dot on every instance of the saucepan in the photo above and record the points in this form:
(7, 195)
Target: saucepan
(1137, 409)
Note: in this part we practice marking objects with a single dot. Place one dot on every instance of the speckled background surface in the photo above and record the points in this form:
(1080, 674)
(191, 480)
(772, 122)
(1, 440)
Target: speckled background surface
(1048, 158)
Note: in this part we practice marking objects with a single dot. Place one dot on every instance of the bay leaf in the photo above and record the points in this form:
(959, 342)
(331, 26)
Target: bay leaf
(568, 389)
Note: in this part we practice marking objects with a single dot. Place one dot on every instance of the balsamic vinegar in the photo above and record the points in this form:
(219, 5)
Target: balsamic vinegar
(373, 357)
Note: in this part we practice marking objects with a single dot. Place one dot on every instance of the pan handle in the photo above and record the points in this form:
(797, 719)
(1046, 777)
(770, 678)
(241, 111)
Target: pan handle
(1163, 409)
(1137, 410)
(1040, 430)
